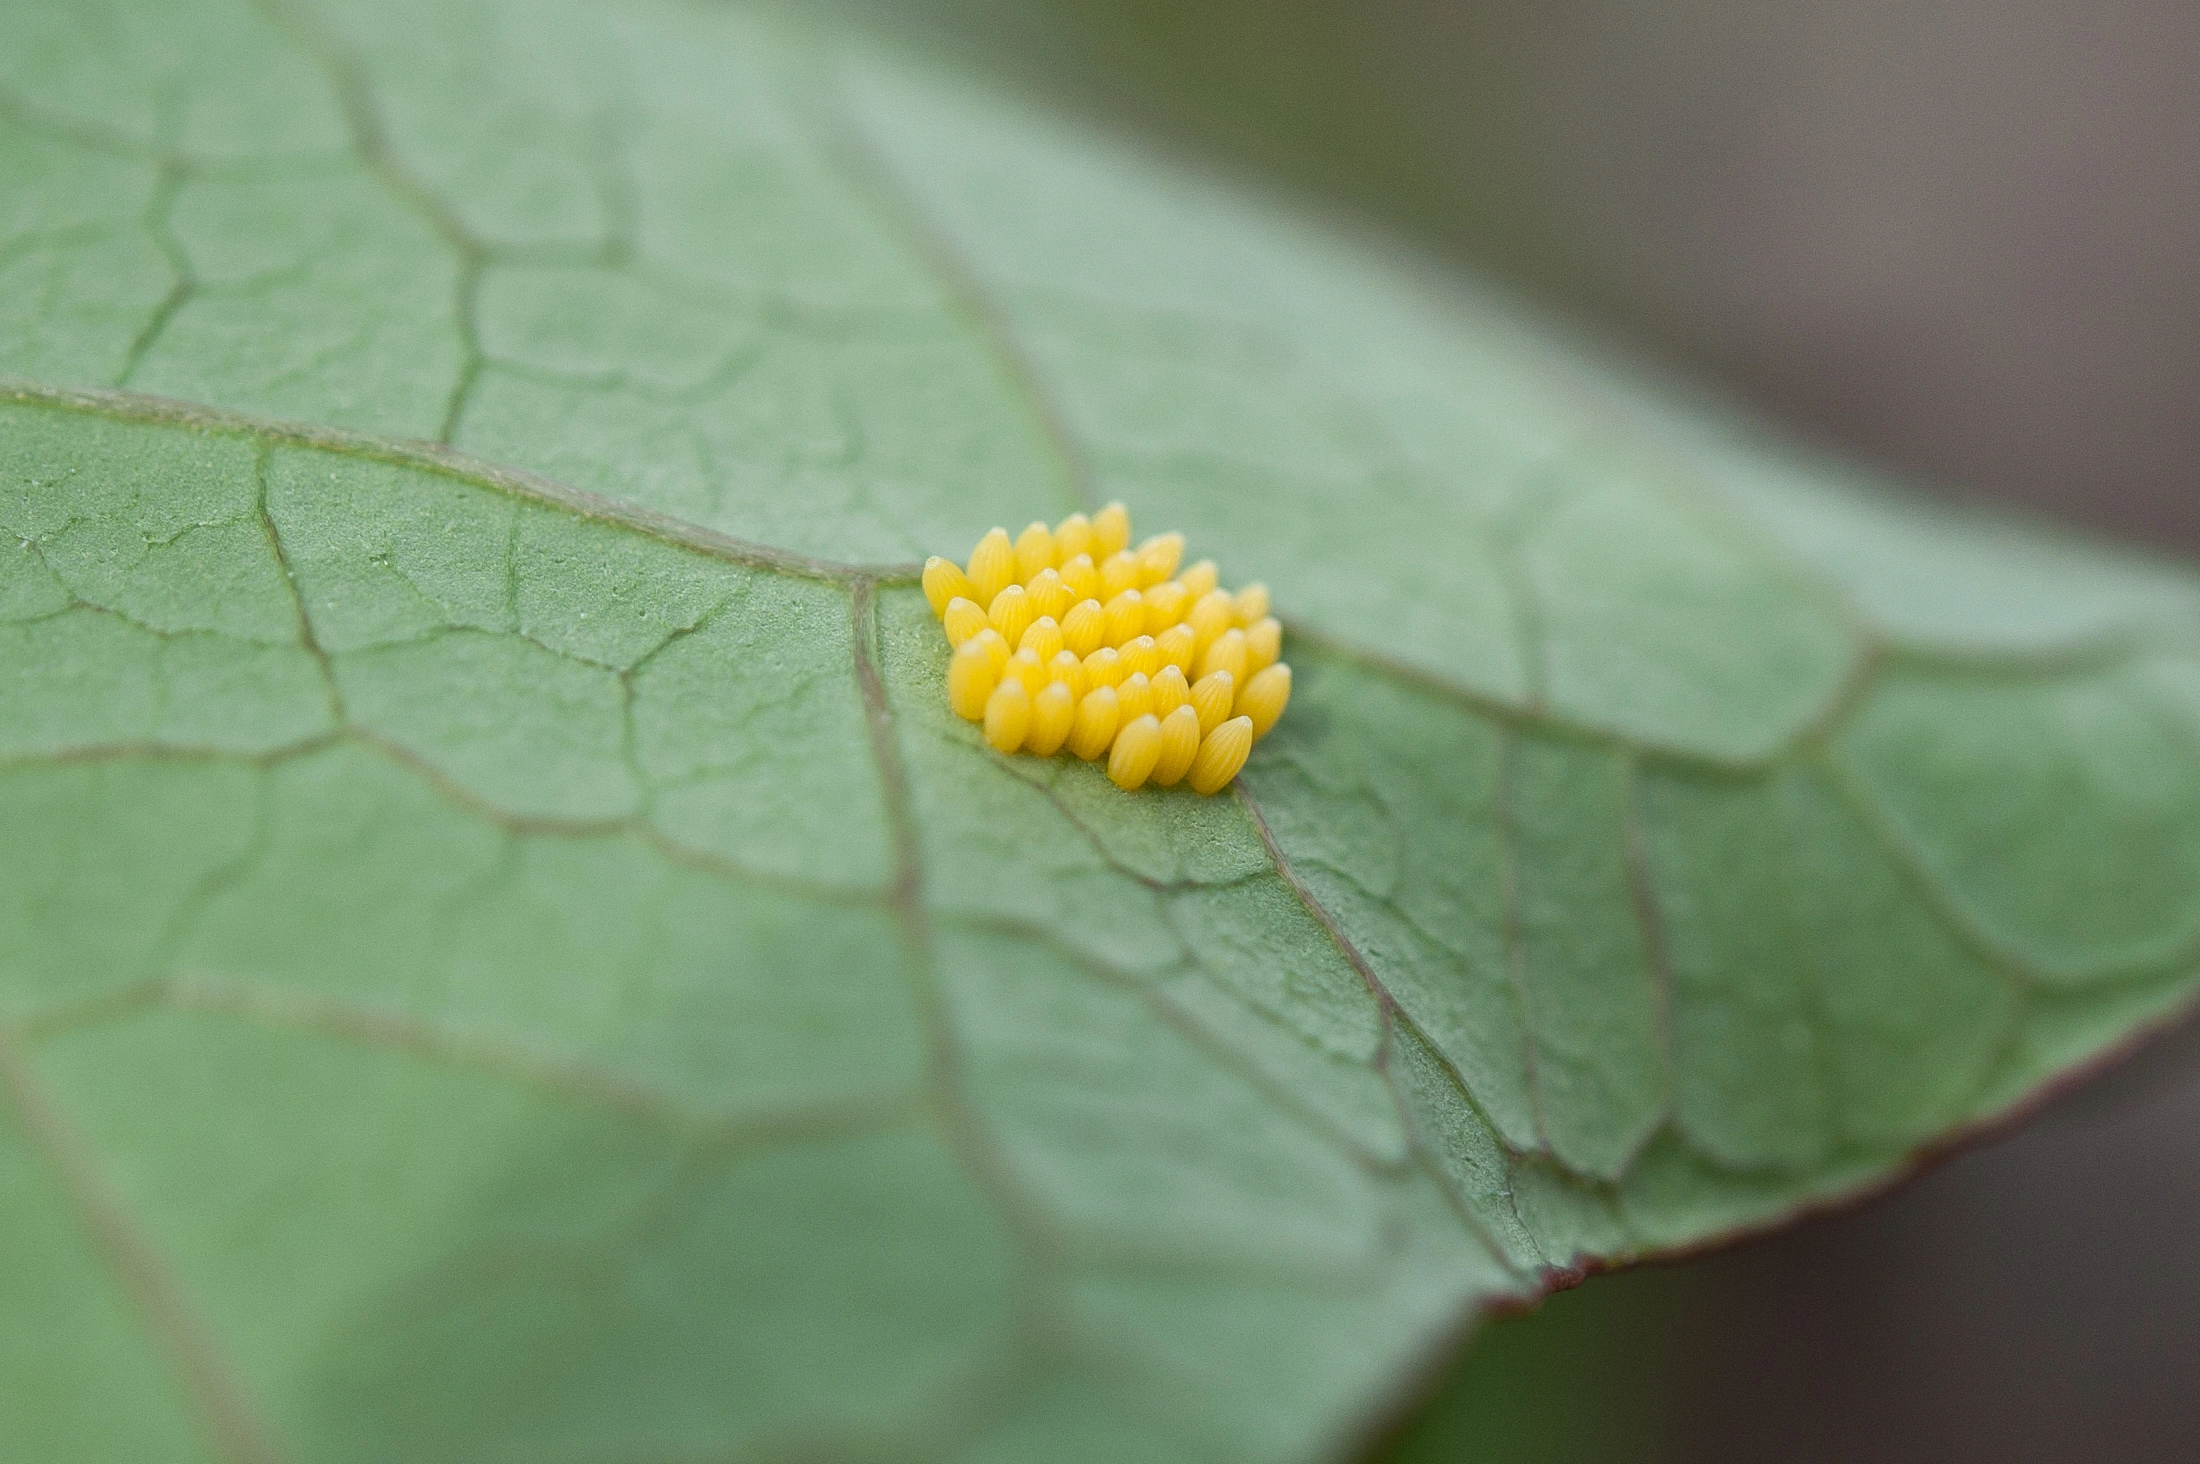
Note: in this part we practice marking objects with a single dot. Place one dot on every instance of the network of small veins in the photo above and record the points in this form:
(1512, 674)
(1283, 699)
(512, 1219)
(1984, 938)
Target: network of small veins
(1133, 732)
(1224, 746)
(368, 1027)
(1218, 741)
(1123, 758)
(1110, 526)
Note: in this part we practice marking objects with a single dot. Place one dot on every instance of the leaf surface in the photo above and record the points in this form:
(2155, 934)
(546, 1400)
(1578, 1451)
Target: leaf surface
(504, 953)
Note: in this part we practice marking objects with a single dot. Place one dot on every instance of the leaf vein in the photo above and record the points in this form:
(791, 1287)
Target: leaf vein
(391, 1030)
(453, 465)
(1392, 1015)
(232, 1426)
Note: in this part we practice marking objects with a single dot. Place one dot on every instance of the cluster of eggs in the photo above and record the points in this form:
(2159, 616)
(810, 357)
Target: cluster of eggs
(1070, 638)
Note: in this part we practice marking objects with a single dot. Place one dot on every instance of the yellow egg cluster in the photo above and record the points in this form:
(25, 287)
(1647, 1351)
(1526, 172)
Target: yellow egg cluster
(1070, 638)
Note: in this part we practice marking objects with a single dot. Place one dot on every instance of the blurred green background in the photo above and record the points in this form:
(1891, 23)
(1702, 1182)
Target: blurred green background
(1961, 239)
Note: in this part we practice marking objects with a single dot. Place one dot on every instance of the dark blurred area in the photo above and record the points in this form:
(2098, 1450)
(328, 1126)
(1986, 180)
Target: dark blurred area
(1961, 239)
(2032, 1300)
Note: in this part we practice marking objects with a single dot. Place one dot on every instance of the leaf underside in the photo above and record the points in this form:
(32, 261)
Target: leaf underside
(504, 954)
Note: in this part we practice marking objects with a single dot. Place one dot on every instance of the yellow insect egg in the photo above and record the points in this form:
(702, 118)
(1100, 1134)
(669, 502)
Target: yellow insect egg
(1265, 697)
(1134, 697)
(1111, 530)
(1053, 713)
(1211, 614)
(1034, 551)
(1072, 537)
(1214, 696)
(992, 565)
(1170, 691)
(1008, 715)
(945, 583)
(1126, 617)
(1049, 596)
(1042, 636)
(962, 620)
(1158, 558)
(1104, 667)
(996, 649)
(1065, 668)
(971, 677)
(1226, 654)
(1094, 728)
(1118, 572)
(1068, 640)
(1177, 647)
(1165, 605)
(1179, 746)
(1026, 667)
(1221, 754)
(1085, 628)
(1263, 643)
(1137, 748)
(1081, 577)
(1011, 613)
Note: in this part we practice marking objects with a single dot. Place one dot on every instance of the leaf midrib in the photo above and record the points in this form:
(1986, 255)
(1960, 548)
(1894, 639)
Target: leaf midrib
(452, 465)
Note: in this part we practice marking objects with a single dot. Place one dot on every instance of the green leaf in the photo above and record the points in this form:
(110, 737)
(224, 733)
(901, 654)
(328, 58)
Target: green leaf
(504, 953)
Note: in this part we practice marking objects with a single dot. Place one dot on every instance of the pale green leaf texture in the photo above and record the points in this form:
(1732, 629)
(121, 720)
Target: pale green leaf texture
(505, 956)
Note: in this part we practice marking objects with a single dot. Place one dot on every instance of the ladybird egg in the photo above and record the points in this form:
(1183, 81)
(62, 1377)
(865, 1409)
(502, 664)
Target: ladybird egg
(962, 620)
(1158, 556)
(1213, 697)
(1139, 653)
(1068, 670)
(1104, 667)
(1179, 746)
(1265, 697)
(1011, 613)
(1137, 748)
(1053, 712)
(992, 565)
(971, 677)
(1118, 572)
(1008, 715)
(1085, 627)
(996, 649)
(1126, 617)
(1049, 596)
(1034, 551)
(1111, 530)
(1042, 636)
(1263, 643)
(1081, 578)
(1199, 579)
(1165, 605)
(1226, 654)
(1134, 697)
(944, 583)
(1094, 729)
(1177, 647)
(1252, 603)
(1211, 614)
(1026, 667)
(1072, 537)
(1221, 754)
(1170, 691)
